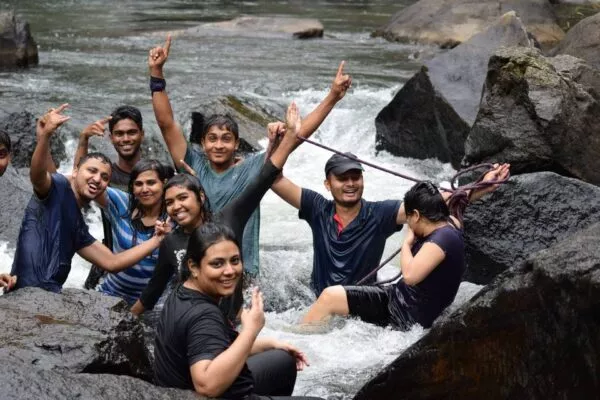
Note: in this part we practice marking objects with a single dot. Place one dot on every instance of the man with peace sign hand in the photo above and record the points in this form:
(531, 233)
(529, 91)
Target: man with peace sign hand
(221, 176)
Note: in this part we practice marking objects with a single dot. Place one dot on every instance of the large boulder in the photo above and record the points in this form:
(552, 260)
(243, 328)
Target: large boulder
(455, 79)
(76, 331)
(17, 47)
(20, 126)
(583, 41)
(14, 196)
(450, 22)
(536, 118)
(24, 382)
(301, 28)
(534, 333)
(251, 116)
(529, 213)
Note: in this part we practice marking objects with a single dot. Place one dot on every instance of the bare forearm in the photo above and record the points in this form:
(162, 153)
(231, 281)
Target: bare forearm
(82, 150)
(226, 367)
(120, 261)
(262, 344)
(405, 258)
(313, 120)
(38, 171)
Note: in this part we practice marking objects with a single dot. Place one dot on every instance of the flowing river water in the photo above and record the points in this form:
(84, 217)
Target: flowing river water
(93, 56)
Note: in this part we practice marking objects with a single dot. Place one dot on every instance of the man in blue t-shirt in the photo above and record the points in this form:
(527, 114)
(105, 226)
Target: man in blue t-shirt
(349, 233)
(53, 228)
(222, 177)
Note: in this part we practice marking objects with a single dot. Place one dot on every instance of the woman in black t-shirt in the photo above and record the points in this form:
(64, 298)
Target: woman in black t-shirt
(196, 346)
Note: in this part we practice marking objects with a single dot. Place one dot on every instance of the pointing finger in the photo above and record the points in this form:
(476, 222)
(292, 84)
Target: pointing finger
(61, 108)
(340, 70)
(168, 44)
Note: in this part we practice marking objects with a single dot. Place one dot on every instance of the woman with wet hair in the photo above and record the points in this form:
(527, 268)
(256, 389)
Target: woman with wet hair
(132, 216)
(432, 263)
(188, 206)
(197, 347)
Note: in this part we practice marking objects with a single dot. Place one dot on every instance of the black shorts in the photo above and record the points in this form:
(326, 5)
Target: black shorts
(370, 303)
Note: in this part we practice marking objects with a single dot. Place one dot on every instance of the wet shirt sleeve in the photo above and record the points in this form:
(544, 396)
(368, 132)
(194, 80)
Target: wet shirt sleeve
(207, 335)
(388, 213)
(311, 205)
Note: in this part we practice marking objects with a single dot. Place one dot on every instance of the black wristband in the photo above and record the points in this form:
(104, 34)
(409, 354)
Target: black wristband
(157, 84)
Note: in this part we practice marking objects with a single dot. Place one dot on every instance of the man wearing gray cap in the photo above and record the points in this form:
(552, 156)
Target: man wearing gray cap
(349, 233)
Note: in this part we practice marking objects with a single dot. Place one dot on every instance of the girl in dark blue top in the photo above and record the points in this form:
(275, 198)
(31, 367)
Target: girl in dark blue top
(432, 262)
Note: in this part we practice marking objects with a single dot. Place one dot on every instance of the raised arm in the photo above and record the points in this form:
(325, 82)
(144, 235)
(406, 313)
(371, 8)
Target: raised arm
(95, 129)
(40, 171)
(163, 112)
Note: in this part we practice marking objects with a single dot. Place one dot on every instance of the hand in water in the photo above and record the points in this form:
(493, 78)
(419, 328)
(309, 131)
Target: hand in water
(95, 129)
(341, 82)
(49, 122)
(158, 57)
(7, 281)
(253, 318)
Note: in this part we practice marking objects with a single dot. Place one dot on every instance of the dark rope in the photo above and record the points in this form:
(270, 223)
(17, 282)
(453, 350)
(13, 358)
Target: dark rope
(457, 202)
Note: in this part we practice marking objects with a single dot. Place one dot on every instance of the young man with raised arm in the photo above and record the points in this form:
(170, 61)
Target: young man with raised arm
(53, 228)
(221, 176)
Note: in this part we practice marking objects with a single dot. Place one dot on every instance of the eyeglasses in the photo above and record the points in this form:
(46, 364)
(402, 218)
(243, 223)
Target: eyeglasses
(4, 153)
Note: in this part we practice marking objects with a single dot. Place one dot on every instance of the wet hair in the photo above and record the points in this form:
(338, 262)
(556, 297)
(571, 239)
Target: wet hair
(5, 140)
(164, 172)
(426, 198)
(125, 112)
(221, 121)
(192, 184)
(96, 156)
(201, 239)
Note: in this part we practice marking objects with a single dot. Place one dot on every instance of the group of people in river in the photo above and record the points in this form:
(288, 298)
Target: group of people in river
(179, 246)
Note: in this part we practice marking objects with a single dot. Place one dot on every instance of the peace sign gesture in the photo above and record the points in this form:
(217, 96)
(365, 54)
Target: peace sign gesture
(341, 82)
(158, 56)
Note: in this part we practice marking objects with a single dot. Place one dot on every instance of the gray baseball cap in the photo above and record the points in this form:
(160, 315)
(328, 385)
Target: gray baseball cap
(338, 164)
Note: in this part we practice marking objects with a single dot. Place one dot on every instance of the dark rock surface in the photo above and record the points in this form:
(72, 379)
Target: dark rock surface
(450, 22)
(14, 196)
(301, 28)
(534, 333)
(535, 118)
(419, 123)
(21, 128)
(22, 382)
(76, 331)
(529, 213)
(583, 41)
(17, 47)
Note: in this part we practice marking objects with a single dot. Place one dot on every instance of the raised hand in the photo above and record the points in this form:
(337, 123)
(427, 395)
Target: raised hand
(253, 318)
(293, 123)
(274, 130)
(162, 228)
(341, 82)
(49, 122)
(95, 129)
(158, 57)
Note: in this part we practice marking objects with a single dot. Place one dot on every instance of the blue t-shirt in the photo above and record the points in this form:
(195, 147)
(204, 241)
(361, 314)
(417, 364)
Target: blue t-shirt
(129, 283)
(346, 258)
(425, 301)
(52, 231)
(221, 188)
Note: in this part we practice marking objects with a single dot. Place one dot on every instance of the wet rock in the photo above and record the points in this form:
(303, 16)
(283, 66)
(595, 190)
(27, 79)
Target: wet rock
(528, 214)
(76, 331)
(455, 79)
(536, 118)
(20, 126)
(14, 196)
(17, 47)
(251, 116)
(583, 41)
(533, 333)
(449, 22)
(22, 382)
(300, 28)
(419, 123)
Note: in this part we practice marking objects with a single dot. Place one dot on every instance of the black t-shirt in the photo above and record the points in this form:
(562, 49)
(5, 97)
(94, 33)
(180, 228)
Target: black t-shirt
(235, 215)
(192, 328)
(119, 179)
